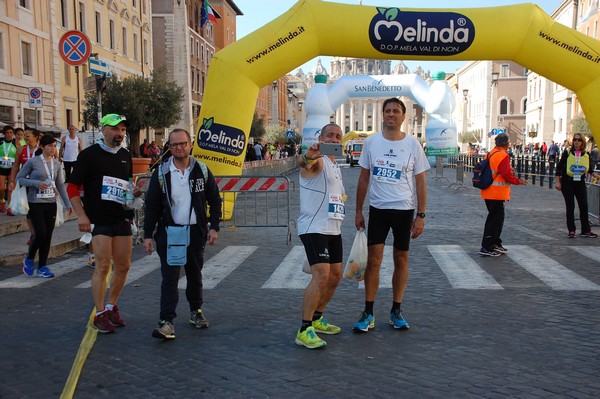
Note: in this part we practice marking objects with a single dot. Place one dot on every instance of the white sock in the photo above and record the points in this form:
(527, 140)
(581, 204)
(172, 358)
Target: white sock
(109, 306)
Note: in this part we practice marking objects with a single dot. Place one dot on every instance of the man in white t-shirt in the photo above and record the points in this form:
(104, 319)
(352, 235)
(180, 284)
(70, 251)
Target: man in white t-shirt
(319, 227)
(70, 147)
(394, 164)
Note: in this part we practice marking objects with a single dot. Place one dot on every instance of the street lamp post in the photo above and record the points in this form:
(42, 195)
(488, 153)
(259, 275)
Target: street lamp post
(465, 106)
(275, 105)
(494, 82)
(290, 109)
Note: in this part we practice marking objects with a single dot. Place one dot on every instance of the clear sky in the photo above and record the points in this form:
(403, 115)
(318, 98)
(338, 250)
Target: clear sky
(260, 12)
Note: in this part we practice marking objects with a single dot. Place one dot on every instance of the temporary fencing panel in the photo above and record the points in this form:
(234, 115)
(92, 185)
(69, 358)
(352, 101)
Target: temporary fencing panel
(593, 197)
(142, 181)
(260, 201)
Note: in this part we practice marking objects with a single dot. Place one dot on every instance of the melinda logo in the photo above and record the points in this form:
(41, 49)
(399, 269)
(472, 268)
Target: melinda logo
(420, 33)
(221, 138)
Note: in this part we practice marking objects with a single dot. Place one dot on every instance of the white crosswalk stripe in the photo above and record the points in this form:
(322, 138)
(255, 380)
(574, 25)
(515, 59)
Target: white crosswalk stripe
(221, 265)
(552, 273)
(289, 273)
(533, 233)
(138, 269)
(460, 269)
(58, 268)
(590, 252)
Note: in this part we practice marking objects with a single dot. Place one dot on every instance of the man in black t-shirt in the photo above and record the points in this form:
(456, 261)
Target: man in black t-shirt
(104, 170)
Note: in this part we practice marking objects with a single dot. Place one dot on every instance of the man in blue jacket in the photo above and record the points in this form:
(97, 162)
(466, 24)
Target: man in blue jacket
(178, 193)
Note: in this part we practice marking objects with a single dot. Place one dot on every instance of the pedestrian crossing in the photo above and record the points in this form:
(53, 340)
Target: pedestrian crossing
(460, 269)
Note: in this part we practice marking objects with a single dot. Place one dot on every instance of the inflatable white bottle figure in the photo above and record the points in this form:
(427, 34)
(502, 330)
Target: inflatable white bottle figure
(318, 110)
(440, 131)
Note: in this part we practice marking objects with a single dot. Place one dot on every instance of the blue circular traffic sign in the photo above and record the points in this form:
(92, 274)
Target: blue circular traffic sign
(74, 48)
(35, 93)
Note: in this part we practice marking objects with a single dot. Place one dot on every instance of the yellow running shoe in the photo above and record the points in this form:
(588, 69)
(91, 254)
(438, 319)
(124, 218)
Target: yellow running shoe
(309, 339)
(321, 325)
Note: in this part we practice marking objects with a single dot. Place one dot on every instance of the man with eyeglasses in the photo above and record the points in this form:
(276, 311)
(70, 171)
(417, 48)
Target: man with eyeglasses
(104, 170)
(178, 195)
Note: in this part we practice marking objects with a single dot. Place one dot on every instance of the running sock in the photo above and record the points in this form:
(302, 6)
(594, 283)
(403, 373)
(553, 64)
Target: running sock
(109, 306)
(396, 306)
(305, 325)
(317, 315)
(100, 312)
(369, 307)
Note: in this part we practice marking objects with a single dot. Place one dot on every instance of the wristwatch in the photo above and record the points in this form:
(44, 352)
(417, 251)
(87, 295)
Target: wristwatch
(421, 215)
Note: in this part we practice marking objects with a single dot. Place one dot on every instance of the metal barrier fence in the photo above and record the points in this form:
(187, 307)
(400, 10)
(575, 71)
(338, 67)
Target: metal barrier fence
(593, 197)
(272, 167)
(252, 170)
(142, 182)
(531, 168)
(460, 176)
(439, 169)
(260, 201)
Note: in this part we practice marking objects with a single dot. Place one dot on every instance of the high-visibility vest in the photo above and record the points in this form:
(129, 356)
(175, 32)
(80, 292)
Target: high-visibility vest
(500, 188)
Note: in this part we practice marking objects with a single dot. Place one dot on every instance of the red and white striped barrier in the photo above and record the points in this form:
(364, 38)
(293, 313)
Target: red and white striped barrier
(238, 184)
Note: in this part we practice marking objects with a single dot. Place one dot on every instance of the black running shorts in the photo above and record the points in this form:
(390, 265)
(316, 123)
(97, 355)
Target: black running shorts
(380, 222)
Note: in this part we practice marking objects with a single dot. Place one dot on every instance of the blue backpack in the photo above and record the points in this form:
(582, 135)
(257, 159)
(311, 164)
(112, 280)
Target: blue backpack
(482, 173)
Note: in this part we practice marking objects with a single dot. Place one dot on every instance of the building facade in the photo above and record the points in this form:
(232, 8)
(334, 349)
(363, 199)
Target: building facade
(26, 61)
(552, 107)
(490, 97)
(30, 31)
(185, 50)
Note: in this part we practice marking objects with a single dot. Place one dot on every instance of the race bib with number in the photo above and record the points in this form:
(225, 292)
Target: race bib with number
(6, 162)
(47, 193)
(113, 189)
(337, 210)
(386, 171)
(577, 171)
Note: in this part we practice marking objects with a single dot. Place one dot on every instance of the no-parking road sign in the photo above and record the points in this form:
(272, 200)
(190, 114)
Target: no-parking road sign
(74, 48)
(35, 97)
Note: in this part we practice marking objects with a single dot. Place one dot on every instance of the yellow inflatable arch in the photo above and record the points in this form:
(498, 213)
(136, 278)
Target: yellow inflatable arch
(523, 33)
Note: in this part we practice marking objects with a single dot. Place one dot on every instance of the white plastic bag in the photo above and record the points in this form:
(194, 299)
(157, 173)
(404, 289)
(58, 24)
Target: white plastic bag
(357, 260)
(60, 212)
(18, 200)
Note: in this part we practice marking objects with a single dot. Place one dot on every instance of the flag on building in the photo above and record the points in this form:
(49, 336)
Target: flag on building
(207, 13)
(211, 14)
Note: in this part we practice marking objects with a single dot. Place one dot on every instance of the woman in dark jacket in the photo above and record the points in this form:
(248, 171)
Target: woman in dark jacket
(571, 170)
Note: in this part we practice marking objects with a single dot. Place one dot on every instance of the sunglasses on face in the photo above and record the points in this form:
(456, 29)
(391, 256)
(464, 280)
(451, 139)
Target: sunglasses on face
(577, 139)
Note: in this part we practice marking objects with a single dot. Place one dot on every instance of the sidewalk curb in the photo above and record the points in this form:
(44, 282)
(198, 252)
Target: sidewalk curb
(56, 250)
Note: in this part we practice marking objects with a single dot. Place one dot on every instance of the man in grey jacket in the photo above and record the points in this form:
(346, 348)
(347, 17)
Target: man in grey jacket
(178, 193)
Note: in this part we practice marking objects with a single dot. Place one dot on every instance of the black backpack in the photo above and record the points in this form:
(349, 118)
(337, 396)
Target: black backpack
(482, 173)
